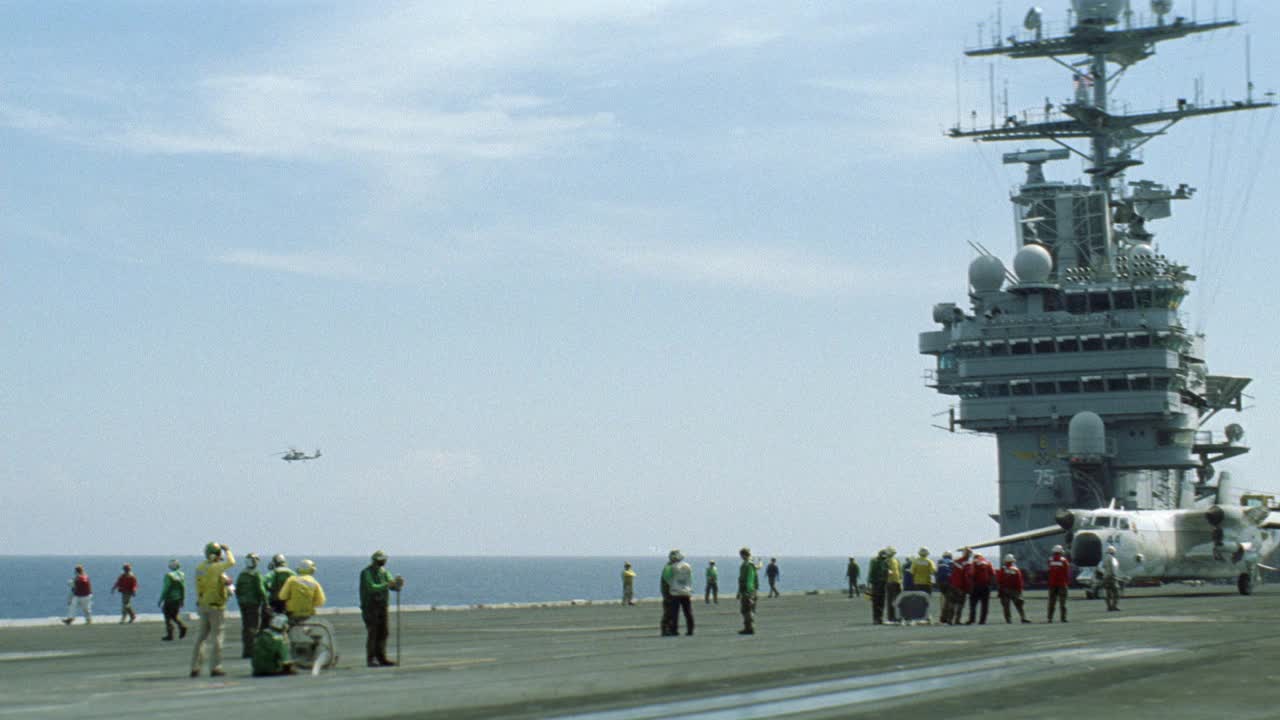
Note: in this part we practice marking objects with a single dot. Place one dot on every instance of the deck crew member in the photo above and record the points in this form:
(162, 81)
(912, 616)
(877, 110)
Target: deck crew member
(302, 593)
(680, 585)
(376, 586)
(748, 583)
(942, 575)
(980, 589)
(712, 592)
(1109, 570)
(1059, 579)
(851, 572)
(1010, 581)
(251, 596)
(173, 595)
(628, 585)
(211, 604)
(892, 583)
(876, 577)
(271, 654)
(127, 585)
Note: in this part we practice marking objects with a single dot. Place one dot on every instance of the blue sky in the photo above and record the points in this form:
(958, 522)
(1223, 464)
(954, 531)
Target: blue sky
(564, 278)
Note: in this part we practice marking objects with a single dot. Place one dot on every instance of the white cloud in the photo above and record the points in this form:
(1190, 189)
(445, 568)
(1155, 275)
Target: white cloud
(312, 264)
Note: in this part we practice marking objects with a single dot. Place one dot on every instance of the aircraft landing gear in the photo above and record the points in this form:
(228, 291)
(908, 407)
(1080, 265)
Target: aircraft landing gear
(1244, 583)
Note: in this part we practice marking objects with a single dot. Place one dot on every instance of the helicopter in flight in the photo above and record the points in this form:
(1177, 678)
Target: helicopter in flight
(294, 455)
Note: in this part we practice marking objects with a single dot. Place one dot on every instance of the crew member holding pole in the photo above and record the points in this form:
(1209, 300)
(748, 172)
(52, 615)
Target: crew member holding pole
(376, 583)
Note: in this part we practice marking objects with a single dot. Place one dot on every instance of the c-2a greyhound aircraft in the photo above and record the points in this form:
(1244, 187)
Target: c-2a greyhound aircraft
(1220, 542)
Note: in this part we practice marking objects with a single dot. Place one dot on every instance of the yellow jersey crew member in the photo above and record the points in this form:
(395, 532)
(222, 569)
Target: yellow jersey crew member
(211, 604)
(302, 593)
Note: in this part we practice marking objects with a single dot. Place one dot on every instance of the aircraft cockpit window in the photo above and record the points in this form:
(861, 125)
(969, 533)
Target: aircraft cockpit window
(1124, 523)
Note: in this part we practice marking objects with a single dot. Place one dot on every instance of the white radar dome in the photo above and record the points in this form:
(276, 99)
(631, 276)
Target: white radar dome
(986, 273)
(1032, 264)
(1086, 434)
(1104, 12)
(1141, 251)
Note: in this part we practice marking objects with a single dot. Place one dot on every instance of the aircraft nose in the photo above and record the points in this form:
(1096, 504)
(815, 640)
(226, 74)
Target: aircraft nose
(1086, 549)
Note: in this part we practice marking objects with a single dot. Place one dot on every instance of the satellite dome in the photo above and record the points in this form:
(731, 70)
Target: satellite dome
(1032, 264)
(1141, 251)
(1086, 434)
(986, 273)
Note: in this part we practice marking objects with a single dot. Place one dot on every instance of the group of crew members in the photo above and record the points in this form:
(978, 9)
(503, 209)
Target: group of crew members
(970, 577)
(271, 603)
(676, 586)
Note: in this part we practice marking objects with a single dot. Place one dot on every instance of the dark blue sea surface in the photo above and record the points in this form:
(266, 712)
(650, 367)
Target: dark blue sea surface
(37, 586)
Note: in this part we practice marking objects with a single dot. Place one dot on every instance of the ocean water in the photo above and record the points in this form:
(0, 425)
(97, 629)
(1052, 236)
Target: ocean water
(36, 587)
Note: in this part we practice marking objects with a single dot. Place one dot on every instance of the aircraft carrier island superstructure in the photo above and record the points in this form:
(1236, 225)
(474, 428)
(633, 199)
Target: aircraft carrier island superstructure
(1078, 360)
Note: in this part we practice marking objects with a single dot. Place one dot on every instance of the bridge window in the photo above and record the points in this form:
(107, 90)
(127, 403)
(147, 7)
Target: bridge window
(1099, 302)
(1077, 303)
(997, 390)
(1046, 388)
(1091, 384)
(1020, 387)
(997, 348)
(1091, 343)
(1068, 344)
(1117, 341)
(1068, 386)
(1020, 347)
(1139, 340)
(1117, 385)
(1123, 300)
(1044, 345)
(1140, 382)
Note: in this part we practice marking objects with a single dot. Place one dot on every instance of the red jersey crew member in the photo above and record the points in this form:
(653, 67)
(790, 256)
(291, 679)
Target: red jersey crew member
(1059, 579)
(1010, 581)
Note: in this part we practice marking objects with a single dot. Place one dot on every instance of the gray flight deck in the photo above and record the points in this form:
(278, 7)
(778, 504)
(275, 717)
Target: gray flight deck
(1175, 652)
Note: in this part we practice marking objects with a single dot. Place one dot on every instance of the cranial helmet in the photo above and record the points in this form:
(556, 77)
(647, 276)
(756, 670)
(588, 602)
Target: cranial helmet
(946, 553)
(1111, 549)
(675, 556)
(212, 548)
(306, 567)
(1057, 549)
(174, 564)
(280, 622)
(1008, 558)
(890, 551)
(279, 560)
(924, 552)
(379, 556)
(252, 560)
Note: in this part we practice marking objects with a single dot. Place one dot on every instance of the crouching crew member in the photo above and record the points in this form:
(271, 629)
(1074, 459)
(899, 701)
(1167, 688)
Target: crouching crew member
(271, 649)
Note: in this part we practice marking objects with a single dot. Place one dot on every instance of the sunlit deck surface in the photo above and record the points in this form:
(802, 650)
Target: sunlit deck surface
(1176, 652)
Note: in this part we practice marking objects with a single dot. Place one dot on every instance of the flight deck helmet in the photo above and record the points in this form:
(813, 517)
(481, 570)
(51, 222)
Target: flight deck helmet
(212, 549)
(174, 564)
(306, 567)
(1008, 559)
(379, 558)
(280, 622)
(1111, 549)
(1057, 549)
(279, 561)
(924, 552)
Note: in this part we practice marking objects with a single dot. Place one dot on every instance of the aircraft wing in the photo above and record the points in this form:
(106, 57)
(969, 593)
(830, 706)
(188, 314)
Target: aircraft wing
(1024, 535)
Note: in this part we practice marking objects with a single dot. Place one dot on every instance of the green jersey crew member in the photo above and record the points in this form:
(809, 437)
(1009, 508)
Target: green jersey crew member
(748, 582)
(271, 649)
(376, 586)
(173, 595)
